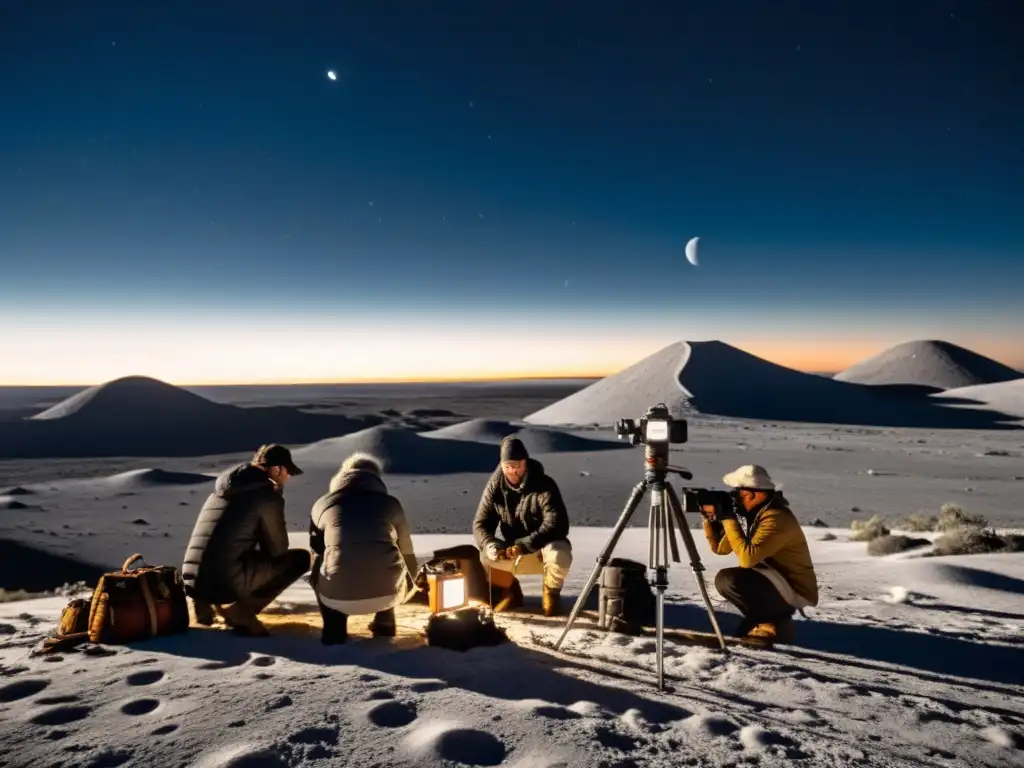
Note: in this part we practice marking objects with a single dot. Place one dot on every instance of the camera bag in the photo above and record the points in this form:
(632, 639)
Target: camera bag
(127, 605)
(626, 601)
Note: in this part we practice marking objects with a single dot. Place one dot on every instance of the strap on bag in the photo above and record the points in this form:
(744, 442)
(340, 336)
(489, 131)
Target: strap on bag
(134, 558)
(154, 625)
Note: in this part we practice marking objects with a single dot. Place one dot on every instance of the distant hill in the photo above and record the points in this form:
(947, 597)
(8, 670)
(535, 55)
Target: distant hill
(537, 440)
(140, 416)
(928, 366)
(714, 378)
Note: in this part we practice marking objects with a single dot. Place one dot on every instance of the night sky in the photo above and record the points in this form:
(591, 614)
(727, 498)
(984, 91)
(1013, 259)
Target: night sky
(497, 188)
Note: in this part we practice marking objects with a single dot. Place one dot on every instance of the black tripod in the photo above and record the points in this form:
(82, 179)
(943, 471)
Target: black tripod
(666, 514)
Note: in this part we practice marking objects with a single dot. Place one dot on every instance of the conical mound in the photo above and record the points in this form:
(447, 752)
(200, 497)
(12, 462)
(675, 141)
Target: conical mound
(713, 378)
(129, 398)
(477, 430)
(404, 451)
(928, 364)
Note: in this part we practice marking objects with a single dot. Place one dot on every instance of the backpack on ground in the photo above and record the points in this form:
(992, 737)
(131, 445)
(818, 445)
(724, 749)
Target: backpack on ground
(126, 606)
(626, 600)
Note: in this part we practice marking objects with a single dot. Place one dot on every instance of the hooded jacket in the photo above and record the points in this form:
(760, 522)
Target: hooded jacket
(775, 538)
(531, 516)
(361, 536)
(240, 528)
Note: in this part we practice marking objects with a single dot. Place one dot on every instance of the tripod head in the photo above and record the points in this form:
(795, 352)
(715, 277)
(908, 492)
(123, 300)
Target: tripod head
(656, 430)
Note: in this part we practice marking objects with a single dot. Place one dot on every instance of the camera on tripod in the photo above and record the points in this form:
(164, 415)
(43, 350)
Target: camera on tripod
(656, 427)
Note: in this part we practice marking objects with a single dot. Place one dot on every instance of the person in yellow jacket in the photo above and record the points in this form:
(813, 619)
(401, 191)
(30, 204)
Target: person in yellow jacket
(775, 577)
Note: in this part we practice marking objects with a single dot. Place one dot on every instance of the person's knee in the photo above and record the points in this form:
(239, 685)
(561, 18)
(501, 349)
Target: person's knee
(559, 553)
(726, 581)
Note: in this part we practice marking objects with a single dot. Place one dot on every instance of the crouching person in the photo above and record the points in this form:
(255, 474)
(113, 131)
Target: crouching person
(525, 506)
(364, 557)
(775, 577)
(238, 560)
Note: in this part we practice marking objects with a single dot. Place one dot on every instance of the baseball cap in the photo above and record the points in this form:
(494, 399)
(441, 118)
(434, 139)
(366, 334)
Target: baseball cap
(274, 455)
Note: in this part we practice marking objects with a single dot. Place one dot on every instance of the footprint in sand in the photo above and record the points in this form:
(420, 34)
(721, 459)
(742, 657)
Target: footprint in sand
(50, 700)
(149, 677)
(263, 661)
(378, 695)
(163, 730)
(61, 715)
(315, 735)
(138, 707)
(442, 741)
(21, 690)
(110, 758)
(241, 756)
(391, 714)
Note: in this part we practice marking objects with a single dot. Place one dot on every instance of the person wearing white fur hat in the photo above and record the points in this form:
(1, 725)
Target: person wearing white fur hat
(775, 577)
(364, 553)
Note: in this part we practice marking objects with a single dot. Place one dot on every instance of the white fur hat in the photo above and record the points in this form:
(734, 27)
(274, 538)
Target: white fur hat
(751, 476)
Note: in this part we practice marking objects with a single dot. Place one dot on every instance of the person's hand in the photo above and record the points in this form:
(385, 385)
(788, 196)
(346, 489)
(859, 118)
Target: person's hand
(494, 553)
(709, 513)
(513, 552)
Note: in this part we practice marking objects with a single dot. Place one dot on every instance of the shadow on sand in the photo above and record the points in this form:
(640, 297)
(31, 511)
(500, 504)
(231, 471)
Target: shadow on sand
(508, 671)
(936, 654)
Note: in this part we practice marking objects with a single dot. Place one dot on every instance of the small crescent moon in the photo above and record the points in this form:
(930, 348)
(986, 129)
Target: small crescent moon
(691, 250)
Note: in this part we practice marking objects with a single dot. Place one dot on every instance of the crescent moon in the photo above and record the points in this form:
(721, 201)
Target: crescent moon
(691, 250)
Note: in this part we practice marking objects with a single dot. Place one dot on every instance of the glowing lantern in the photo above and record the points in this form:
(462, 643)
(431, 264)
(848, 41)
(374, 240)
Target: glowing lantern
(447, 585)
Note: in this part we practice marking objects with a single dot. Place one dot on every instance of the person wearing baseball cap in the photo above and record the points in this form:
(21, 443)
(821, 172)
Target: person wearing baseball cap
(775, 577)
(524, 505)
(237, 561)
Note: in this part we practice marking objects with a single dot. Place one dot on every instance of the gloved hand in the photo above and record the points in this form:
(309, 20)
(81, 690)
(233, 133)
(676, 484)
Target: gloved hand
(493, 552)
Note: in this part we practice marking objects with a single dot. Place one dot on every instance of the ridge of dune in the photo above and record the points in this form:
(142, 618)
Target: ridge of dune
(538, 440)
(1004, 396)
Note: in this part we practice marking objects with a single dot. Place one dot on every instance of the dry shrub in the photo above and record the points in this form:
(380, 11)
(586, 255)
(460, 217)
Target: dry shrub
(920, 523)
(952, 517)
(969, 541)
(866, 530)
(890, 545)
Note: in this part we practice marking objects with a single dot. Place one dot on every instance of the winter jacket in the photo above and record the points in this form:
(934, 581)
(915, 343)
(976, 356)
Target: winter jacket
(775, 538)
(240, 528)
(361, 536)
(531, 516)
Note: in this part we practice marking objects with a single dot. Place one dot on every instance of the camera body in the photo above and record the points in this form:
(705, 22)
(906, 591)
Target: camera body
(724, 502)
(656, 427)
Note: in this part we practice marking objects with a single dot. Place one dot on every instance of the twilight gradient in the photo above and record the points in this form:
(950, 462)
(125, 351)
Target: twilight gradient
(495, 189)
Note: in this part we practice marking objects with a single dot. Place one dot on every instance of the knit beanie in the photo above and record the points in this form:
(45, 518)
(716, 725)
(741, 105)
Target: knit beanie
(512, 449)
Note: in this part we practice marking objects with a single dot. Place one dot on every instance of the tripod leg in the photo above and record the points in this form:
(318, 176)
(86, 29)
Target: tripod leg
(602, 559)
(695, 563)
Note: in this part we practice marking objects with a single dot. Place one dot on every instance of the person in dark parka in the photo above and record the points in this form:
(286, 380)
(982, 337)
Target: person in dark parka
(364, 556)
(524, 505)
(238, 561)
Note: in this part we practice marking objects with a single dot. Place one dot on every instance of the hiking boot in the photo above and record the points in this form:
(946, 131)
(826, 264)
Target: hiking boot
(769, 633)
(551, 601)
(383, 624)
(512, 599)
(242, 620)
(335, 631)
(204, 612)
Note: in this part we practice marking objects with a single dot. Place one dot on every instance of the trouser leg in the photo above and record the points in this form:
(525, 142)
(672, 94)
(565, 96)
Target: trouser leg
(556, 559)
(753, 594)
(335, 622)
(280, 573)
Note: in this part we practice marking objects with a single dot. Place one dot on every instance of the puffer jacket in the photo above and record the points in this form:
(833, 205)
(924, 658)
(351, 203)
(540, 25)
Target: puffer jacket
(361, 537)
(774, 537)
(531, 516)
(240, 528)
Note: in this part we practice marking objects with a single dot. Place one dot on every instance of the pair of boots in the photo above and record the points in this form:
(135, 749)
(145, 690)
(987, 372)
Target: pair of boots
(335, 631)
(550, 601)
(242, 619)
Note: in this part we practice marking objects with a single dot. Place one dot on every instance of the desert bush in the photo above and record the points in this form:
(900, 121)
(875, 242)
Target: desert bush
(866, 530)
(952, 516)
(969, 541)
(1014, 542)
(890, 545)
(920, 523)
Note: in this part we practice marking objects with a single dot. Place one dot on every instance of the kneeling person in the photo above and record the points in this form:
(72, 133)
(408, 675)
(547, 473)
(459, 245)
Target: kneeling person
(775, 577)
(364, 556)
(525, 506)
(238, 560)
